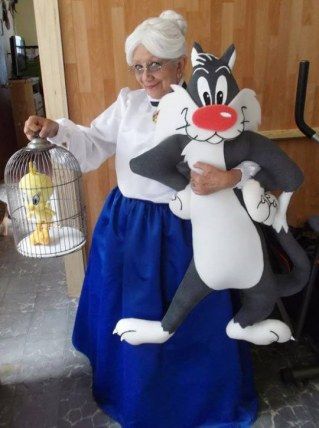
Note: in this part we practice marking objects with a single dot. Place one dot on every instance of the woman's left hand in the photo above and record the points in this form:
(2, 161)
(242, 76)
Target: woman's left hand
(213, 179)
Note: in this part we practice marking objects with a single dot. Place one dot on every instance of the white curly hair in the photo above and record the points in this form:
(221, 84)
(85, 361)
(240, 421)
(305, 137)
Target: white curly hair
(163, 36)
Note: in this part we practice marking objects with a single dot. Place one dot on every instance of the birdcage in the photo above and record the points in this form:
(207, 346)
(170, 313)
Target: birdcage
(43, 183)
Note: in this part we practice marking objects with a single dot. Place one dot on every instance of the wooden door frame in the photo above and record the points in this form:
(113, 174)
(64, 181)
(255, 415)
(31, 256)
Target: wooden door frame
(54, 88)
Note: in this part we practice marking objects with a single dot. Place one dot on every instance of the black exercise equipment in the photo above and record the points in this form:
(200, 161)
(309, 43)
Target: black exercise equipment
(295, 374)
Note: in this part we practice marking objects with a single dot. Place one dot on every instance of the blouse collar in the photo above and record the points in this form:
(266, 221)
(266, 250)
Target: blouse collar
(155, 102)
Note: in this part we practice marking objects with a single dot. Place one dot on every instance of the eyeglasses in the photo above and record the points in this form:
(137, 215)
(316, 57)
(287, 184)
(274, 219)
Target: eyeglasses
(151, 67)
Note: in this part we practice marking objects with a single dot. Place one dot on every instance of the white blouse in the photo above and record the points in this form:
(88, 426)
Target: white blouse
(127, 130)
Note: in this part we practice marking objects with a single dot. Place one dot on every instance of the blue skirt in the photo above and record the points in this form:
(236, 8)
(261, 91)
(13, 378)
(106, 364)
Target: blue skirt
(199, 378)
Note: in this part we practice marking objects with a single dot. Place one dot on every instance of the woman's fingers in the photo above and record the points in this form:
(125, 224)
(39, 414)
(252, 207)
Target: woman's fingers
(211, 179)
(31, 126)
(40, 125)
(207, 168)
(46, 129)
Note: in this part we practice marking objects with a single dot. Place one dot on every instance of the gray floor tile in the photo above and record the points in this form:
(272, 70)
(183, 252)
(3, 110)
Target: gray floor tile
(52, 266)
(70, 326)
(71, 316)
(74, 370)
(309, 397)
(4, 282)
(113, 424)
(49, 324)
(40, 376)
(77, 409)
(9, 373)
(26, 283)
(23, 267)
(71, 354)
(15, 324)
(6, 412)
(36, 350)
(11, 349)
(8, 250)
(7, 392)
(10, 256)
(276, 395)
(49, 281)
(73, 305)
(40, 410)
(295, 416)
(265, 420)
(51, 299)
(17, 302)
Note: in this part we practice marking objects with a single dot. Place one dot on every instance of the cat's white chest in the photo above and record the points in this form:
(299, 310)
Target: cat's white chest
(204, 152)
(227, 247)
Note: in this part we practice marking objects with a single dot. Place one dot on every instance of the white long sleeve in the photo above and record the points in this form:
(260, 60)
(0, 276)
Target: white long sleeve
(94, 144)
(248, 170)
(125, 129)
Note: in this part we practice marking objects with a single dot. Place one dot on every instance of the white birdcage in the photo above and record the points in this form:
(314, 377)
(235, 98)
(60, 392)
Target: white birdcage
(43, 183)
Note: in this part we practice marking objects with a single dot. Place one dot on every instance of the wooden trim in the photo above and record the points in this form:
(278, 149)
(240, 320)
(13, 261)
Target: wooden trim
(280, 134)
(52, 71)
(51, 57)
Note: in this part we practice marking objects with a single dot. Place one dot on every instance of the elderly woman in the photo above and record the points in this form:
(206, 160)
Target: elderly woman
(140, 252)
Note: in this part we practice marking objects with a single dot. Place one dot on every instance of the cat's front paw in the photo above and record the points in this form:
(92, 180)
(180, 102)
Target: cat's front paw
(180, 204)
(137, 331)
(176, 206)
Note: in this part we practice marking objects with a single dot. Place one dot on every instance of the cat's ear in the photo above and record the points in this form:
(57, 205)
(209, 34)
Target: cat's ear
(197, 49)
(229, 56)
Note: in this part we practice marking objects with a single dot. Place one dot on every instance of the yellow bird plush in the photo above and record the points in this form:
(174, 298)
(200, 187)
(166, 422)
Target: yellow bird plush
(38, 188)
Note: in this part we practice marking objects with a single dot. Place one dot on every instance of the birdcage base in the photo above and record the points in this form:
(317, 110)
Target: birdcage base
(63, 240)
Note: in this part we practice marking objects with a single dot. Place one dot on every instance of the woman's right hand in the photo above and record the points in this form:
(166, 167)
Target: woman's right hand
(46, 128)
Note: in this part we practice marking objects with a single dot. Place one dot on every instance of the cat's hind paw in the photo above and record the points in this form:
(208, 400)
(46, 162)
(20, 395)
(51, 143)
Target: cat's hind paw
(261, 206)
(262, 333)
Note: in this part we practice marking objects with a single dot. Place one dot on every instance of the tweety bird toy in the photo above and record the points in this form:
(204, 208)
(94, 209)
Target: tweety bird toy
(38, 188)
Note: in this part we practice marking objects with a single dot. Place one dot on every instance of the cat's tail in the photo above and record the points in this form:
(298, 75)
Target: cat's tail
(294, 281)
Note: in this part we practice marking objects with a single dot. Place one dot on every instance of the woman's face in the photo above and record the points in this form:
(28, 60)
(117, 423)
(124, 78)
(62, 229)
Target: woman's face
(156, 83)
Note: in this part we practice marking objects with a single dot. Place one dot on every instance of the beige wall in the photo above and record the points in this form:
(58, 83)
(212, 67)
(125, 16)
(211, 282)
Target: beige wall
(271, 37)
(25, 22)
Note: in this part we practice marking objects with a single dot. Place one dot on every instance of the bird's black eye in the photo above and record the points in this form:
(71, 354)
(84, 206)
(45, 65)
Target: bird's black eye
(36, 199)
(204, 91)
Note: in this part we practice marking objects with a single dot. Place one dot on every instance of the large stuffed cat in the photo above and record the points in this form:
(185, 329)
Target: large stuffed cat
(214, 122)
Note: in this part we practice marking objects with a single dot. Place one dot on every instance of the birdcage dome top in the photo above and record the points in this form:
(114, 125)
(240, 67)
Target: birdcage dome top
(46, 156)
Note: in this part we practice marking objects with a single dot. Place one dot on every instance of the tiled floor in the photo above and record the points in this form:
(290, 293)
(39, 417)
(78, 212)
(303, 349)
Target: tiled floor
(44, 382)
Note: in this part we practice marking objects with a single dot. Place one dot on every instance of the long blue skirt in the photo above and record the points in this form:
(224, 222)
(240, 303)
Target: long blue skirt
(199, 378)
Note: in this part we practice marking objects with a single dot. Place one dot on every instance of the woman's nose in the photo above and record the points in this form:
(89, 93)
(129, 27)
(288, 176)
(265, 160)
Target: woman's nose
(146, 75)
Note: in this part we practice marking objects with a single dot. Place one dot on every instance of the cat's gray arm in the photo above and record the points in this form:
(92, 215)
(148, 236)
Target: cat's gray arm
(160, 163)
(278, 171)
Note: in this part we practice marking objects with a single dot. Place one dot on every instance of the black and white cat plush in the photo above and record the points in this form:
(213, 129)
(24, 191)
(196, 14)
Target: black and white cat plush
(214, 122)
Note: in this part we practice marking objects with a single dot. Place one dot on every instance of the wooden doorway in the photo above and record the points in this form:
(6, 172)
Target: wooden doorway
(52, 70)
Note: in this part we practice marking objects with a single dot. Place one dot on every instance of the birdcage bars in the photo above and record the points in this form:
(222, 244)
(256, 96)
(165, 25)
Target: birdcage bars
(44, 188)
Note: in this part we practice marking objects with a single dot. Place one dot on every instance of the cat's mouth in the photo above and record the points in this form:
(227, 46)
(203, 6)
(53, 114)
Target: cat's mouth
(193, 132)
